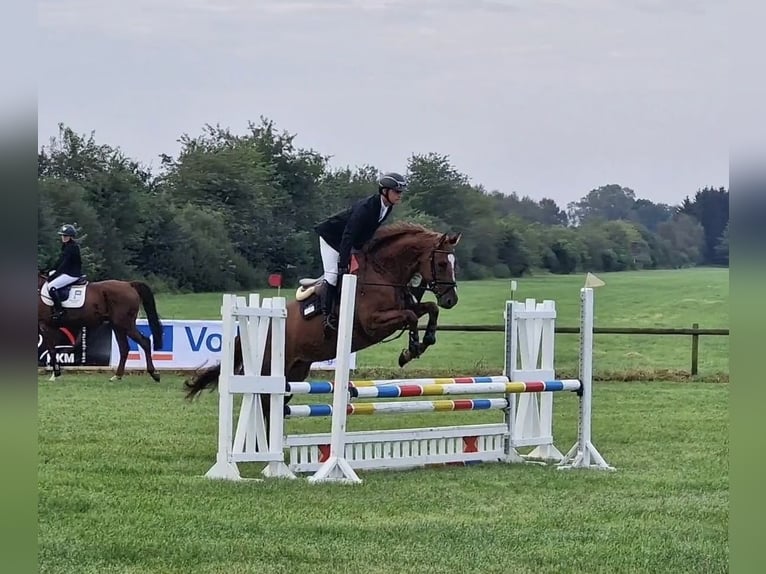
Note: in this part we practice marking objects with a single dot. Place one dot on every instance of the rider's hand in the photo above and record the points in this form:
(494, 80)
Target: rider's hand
(51, 272)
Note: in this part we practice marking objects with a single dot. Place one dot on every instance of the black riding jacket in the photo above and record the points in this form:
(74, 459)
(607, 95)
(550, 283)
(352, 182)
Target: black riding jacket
(69, 262)
(352, 227)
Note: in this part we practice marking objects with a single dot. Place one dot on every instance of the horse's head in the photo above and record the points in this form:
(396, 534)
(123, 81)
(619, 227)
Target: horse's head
(416, 255)
(436, 267)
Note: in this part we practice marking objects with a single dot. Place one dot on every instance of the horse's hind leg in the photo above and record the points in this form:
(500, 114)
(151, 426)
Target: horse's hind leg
(146, 345)
(400, 318)
(122, 345)
(294, 373)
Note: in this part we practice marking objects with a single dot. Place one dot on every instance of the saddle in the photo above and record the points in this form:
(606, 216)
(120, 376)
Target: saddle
(311, 292)
(72, 296)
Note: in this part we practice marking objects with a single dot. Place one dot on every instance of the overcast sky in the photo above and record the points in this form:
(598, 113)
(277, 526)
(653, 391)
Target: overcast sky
(542, 97)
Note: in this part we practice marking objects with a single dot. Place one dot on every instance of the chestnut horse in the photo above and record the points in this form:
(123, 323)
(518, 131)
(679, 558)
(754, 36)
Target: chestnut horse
(393, 270)
(92, 304)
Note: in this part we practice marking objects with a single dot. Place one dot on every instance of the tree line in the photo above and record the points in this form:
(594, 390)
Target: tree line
(230, 209)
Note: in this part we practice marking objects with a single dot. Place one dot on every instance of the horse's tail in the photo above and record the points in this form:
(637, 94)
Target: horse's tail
(147, 299)
(209, 377)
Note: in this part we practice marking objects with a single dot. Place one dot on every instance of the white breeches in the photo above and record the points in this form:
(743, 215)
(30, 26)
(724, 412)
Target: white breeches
(330, 259)
(61, 281)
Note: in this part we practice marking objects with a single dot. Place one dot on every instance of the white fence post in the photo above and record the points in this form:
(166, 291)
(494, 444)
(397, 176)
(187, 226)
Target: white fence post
(336, 468)
(250, 443)
(584, 454)
(530, 335)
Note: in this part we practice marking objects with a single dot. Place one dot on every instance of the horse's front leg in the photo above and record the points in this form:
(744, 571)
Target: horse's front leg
(416, 348)
(432, 309)
(400, 318)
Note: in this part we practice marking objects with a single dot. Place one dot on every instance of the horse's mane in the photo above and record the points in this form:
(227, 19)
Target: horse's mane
(396, 246)
(411, 235)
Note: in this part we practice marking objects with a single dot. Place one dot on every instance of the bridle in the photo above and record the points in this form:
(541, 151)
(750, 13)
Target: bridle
(434, 285)
(414, 285)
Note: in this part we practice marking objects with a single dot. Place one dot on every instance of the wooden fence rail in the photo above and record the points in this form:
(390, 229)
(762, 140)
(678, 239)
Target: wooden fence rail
(694, 332)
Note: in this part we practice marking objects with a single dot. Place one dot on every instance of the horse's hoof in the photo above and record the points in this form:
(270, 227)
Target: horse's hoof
(53, 377)
(115, 378)
(155, 376)
(404, 357)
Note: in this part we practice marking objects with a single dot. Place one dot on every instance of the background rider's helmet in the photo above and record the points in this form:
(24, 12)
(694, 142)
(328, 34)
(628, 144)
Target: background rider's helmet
(68, 230)
(392, 180)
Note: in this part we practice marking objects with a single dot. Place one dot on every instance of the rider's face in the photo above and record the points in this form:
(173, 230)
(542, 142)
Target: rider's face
(393, 196)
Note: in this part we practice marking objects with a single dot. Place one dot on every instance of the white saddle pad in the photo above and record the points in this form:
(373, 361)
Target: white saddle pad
(75, 300)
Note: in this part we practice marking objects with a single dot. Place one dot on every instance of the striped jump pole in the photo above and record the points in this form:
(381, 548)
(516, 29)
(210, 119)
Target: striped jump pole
(403, 389)
(437, 381)
(298, 411)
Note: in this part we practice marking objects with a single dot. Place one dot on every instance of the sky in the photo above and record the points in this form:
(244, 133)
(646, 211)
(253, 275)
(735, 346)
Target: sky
(545, 98)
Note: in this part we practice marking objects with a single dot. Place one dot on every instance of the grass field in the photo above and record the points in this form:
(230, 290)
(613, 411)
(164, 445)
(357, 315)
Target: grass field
(121, 491)
(120, 464)
(630, 299)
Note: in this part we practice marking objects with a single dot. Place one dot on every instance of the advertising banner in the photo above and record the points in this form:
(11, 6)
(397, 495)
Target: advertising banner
(187, 344)
(86, 347)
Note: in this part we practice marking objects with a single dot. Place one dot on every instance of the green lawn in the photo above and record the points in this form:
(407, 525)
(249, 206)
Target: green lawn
(629, 299)
(121, 465)
(121, 491)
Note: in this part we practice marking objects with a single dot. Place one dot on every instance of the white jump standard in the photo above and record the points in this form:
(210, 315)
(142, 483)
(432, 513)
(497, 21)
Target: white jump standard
(250, 443)
(526, 388)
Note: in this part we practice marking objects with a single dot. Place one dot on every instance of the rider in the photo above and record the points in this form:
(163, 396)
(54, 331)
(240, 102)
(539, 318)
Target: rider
(352, 228)
(68, 268)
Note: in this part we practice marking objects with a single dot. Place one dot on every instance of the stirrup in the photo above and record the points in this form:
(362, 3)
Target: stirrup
(330, 324)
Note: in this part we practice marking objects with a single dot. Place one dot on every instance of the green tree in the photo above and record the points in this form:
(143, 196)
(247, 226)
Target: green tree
(710, 207)
(650, 214)
(686, 239)
(75, 172)
(513, 249)
(231, 208)
(722, 247)
(62, 201)
(608, 202)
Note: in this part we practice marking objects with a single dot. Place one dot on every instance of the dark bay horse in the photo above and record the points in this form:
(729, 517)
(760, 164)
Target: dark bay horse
(113, 302)
(394, 269)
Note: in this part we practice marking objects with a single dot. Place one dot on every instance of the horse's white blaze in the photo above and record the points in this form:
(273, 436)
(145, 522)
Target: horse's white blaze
(451, 259)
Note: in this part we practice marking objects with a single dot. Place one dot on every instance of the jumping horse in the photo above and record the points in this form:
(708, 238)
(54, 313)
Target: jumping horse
(394, 269)
(91, 304)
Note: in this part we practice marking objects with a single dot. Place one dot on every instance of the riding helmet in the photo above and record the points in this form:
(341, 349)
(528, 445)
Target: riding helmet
(68, 230)
(392, 180)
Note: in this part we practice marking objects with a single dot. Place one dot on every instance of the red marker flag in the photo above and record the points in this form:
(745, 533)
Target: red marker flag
(275, 280)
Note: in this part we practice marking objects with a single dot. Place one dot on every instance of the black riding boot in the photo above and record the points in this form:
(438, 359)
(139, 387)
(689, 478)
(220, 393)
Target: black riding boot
(328, 309)
(58, 310)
